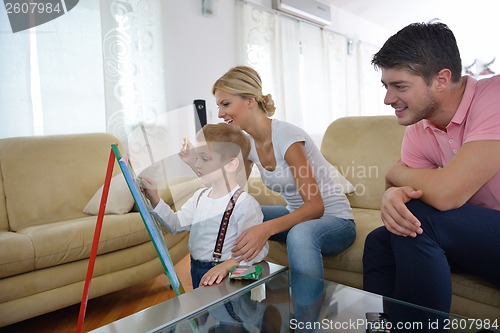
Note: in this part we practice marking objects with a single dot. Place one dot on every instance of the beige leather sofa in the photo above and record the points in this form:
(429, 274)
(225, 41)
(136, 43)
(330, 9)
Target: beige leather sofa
(45, 238)
(362, 148)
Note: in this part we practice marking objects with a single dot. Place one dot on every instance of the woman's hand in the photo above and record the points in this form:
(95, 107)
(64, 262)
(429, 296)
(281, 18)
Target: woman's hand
(217, 273)
(250, 242)
(396, 216)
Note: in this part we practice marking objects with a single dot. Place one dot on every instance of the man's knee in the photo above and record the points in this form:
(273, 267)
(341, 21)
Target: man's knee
(420, 208)
(376, 237)
(376, 241)
(427, 215)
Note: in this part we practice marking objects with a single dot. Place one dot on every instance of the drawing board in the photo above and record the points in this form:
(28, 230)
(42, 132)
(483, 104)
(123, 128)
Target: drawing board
(150, 221)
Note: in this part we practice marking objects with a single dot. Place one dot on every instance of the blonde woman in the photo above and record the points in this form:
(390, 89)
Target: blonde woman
(317, 220)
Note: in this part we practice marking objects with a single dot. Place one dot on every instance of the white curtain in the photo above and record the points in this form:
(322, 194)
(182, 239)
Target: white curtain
(316, 108)
(70, 68)
(16, 117)
(308, 70)
(97, 68)
(288, 81)
(52, 75)
(134, 86)
(370, 86)
(260, 30)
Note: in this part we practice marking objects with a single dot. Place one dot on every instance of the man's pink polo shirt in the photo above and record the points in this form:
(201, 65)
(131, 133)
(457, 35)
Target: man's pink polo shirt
(477, 118)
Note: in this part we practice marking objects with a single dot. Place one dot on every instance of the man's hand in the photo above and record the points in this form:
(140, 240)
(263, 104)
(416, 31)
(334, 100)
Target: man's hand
(250, 242)
(394, 213)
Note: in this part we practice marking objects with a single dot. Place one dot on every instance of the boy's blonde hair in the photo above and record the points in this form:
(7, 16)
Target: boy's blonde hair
(225, 133)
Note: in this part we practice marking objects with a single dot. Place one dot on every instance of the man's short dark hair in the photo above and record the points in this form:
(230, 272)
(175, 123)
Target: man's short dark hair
(423, 49)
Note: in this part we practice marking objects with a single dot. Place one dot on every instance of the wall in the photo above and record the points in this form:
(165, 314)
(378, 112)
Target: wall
(199, 49)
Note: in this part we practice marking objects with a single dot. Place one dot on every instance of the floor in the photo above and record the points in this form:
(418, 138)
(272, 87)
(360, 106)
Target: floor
(106, 309)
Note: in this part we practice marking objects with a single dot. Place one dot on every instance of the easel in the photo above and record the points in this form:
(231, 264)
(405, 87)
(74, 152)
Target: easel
(149, 221)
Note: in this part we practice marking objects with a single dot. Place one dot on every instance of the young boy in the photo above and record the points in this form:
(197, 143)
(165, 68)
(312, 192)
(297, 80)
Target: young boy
(220, 151)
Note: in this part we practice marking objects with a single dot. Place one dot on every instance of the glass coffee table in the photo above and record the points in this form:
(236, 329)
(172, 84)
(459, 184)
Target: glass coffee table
(198, 308)
(266, 306)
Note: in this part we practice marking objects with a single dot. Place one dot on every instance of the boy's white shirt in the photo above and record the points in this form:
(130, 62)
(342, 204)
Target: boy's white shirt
(202, 218)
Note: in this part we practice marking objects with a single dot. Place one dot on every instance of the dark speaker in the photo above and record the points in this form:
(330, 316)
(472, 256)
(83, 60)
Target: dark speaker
(200, 113)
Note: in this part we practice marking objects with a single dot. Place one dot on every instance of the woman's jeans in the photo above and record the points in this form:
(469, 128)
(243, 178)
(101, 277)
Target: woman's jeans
(306, 244)
(418, 270)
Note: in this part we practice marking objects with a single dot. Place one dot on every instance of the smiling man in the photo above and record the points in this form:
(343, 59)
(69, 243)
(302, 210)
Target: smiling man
(441, 208)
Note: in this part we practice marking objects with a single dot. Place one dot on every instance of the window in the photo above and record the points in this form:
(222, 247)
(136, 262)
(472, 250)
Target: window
(308, 70)
(54, 71)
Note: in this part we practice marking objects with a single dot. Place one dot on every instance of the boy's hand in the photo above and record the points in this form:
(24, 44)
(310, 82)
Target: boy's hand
(217, 273)
(187, 153)
(149, 188)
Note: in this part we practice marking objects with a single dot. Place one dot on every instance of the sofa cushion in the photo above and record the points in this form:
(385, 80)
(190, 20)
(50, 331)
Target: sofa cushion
(71, 240)
(474, 288)
(363, 153)
(17, 254)
(351, 259)
(52, 278)
(41, 190)
(119, 201)
(4, 222)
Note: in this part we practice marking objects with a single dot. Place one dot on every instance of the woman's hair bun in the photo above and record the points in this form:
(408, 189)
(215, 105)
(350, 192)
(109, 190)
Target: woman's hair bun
(268, 104)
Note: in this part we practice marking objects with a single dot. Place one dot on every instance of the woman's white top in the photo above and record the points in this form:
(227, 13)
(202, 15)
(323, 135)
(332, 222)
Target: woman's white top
(281, 179)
